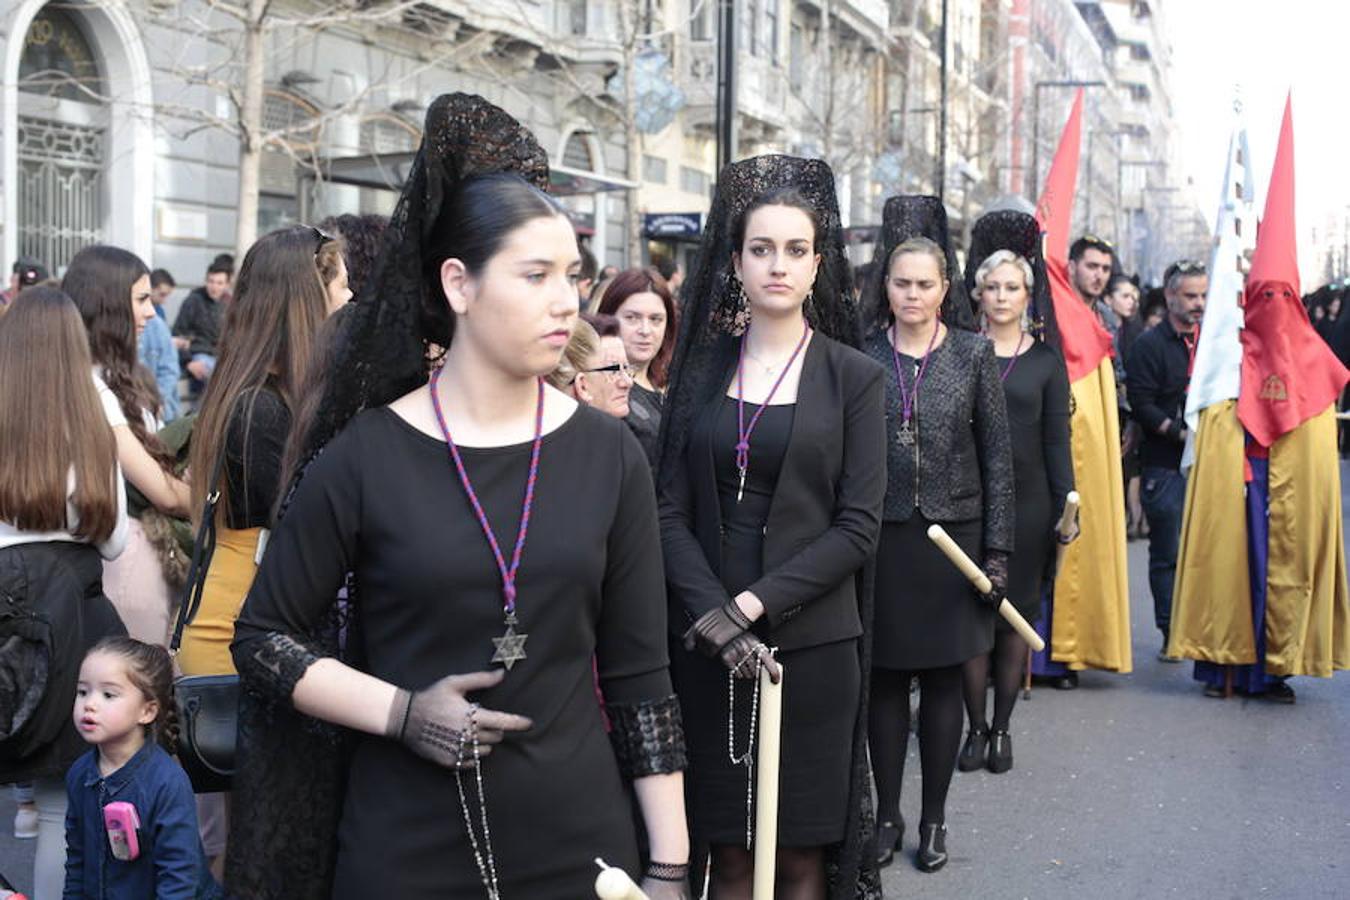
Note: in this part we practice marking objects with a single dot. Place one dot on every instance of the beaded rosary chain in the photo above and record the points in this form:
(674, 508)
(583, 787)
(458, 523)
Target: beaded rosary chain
(482, 852)
(746, 759)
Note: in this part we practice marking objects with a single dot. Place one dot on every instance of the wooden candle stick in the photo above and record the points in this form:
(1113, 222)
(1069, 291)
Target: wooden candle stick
(614, 884)
(938, 535)
(766, 784)
(1064, 526)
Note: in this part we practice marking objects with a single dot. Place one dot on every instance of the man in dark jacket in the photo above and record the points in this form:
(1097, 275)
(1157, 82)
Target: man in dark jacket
(1159, 372)
(200, 319)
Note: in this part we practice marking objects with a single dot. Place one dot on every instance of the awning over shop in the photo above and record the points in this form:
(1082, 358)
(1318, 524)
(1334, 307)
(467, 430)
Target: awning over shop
(388, 171)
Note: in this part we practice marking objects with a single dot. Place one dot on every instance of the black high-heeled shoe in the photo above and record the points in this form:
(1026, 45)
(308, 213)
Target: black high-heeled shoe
(1000, 752)
(932, 853)
(889, 837)
(975, 751)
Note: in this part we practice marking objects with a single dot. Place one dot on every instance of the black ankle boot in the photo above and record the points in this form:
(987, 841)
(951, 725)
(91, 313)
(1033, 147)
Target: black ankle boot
(974, 752)
(932, 853)
(1000, 752)
(889, 837)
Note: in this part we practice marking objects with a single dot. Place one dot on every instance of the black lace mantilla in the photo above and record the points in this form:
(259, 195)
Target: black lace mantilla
(648, 737)
(381, 352)
(713, 304)
(1008, 229)
(904, 217)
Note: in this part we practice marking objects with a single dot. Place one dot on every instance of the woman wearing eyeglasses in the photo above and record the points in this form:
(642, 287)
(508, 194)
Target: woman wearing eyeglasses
(594, 368)
(287, 286)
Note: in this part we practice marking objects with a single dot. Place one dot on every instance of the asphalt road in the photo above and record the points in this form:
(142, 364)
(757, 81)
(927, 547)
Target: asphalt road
(1138, 786)
(1132, 786)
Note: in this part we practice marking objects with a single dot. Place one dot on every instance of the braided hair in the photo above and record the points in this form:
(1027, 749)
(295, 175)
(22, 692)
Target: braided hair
(150, 670)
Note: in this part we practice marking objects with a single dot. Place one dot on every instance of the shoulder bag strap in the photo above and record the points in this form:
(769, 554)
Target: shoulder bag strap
(202, 549)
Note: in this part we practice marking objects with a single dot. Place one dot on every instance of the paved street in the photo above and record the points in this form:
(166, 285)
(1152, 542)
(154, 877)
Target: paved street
(1139, 786)
(1131, 786)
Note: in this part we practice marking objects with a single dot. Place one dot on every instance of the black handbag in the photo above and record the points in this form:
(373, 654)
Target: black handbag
(208, 705)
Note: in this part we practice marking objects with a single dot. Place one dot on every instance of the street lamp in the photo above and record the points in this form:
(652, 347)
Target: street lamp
(1036, 123)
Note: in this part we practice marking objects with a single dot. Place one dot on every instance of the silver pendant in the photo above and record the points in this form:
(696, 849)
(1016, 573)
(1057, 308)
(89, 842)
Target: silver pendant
(906, 434)
(740, 491)
(510, 647)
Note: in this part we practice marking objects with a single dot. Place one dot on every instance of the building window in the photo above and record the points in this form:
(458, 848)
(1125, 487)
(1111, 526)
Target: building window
(702, 20)
(751, 28)
(694, 181)
(654, 169)
(771, 28)
(577, 152)
(796, 62)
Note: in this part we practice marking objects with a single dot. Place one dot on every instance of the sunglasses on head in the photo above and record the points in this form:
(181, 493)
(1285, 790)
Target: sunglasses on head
(1102, 243)
(320, 238)
(1183, 267)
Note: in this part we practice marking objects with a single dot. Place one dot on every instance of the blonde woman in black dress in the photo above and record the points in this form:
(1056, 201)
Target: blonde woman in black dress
(1007, 275)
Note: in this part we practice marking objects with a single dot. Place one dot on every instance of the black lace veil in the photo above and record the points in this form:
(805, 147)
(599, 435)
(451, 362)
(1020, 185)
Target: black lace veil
(713, 305)
(290, 777)
(381, 351)
(1008, 229)
(904, 217)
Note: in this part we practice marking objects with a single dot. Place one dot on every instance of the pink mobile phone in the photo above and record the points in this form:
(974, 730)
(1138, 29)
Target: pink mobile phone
(122, 823)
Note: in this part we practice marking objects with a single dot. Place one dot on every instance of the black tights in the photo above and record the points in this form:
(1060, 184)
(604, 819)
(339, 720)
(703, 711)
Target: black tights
(939, 737)
(1010, 662)
(798, 875)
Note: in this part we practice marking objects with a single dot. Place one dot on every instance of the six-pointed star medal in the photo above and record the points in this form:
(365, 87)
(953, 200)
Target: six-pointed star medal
(510, 647)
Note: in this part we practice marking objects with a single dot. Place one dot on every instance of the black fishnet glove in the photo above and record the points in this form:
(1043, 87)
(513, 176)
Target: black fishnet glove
(716, 628)
(996, 568)
(656, 889)
(741, 654)
(441, 724)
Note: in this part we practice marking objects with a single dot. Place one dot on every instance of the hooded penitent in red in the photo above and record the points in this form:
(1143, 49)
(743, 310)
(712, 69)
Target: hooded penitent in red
(1289, 374)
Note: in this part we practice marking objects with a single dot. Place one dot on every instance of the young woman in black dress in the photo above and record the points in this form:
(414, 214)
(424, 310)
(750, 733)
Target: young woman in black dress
(480, 615)
(948, 462)
(771, 485)
(1007, 275)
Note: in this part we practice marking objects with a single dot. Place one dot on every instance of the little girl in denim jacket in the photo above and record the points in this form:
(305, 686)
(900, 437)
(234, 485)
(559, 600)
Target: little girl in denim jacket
(123, 705)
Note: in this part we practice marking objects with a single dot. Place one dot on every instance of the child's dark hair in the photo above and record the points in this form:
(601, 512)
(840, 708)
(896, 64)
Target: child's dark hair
(150, 669)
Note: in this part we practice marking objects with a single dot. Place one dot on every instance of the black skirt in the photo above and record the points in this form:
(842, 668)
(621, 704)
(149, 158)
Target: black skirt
(820, 704)
(927, 613)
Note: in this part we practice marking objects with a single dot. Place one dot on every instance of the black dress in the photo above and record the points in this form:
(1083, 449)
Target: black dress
(644, 417)
(1037, 389)
(817, 724)
(384, 502)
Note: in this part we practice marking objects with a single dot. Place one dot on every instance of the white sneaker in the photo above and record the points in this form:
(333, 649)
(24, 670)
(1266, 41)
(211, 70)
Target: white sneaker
(26, 823)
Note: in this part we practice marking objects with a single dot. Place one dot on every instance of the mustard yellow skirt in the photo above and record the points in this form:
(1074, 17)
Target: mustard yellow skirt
(206, 641)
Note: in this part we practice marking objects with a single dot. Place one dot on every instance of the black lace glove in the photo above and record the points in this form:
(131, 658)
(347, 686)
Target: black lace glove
(441, 724)
(665, 881)
(742, 653)
(996, 568)
(716, 628)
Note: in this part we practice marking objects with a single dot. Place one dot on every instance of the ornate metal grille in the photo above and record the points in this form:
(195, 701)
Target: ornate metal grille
(60, 190)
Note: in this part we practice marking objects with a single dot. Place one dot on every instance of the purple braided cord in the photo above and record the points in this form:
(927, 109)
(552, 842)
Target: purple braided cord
(743, 433)
(508, 575)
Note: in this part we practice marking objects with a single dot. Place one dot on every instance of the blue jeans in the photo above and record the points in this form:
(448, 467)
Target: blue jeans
(1163, 493)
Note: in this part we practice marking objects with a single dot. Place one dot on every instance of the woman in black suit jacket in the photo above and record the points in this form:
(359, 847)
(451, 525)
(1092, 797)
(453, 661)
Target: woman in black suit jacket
(949, 461)
(772, 478)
